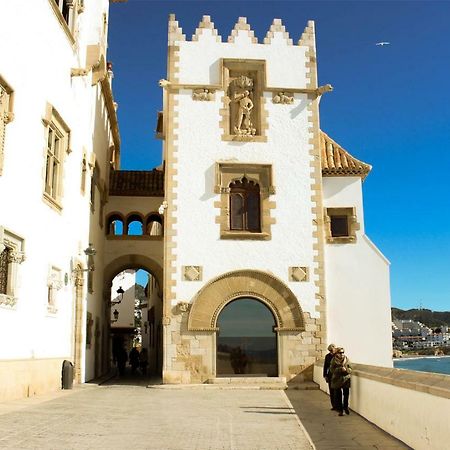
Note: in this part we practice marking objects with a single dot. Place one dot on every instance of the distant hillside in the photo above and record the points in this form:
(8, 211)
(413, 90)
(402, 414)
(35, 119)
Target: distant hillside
(426, 316)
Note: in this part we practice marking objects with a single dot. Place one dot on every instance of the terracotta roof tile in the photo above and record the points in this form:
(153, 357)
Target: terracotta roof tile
(337, 162)
(137, 183)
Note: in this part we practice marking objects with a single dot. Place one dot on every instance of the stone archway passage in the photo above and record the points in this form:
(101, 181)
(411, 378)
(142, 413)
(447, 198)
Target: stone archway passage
(213, 297)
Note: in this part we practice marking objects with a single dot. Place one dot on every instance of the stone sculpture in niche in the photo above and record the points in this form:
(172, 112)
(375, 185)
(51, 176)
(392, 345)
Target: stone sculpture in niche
(243, 90)
(283, 98)
(203, 95)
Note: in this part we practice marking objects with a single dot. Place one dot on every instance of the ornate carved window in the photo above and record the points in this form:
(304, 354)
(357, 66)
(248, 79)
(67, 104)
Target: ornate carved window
(245, 204)
(57, 135)
(11, 256)
(6, 115)
(245, 214)
(341, 225)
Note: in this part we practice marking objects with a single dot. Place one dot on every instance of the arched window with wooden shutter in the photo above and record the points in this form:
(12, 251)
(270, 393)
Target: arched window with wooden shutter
(245, 209)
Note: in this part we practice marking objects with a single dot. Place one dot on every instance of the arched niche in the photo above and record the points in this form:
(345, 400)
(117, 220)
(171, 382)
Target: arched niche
(212, 298)
(134, 224)
(114, 224)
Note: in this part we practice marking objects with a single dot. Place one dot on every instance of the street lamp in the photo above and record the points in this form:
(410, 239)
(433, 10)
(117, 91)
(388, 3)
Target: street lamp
(120, 292)
(116, 316)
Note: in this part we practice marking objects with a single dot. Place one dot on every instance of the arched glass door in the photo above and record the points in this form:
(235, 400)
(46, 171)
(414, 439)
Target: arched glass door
(246, 342)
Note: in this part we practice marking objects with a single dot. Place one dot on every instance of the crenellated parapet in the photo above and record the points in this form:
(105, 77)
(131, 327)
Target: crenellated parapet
(205, 28)
(241, 33)
(277, 30)
(242, 30)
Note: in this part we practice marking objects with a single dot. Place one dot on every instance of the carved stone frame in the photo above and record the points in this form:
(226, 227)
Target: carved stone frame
(257, 68)
(352, 223)
(226, 172)
(6, 114)
(52, 119)
(16, 257)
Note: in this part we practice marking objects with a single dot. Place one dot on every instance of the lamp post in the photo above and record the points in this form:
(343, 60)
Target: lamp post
(120, 292)
(116, 316)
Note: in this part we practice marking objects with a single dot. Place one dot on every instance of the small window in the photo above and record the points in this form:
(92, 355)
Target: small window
(95, 179)
(54, 284)
(4, 266)
(114, 225)
(339, 226)
(154, 225)
(245, 214)
(57, 145)
(6, 115)
(11, 256)
(65, 11)
(134, 225)
(342, 225)
(84, 168)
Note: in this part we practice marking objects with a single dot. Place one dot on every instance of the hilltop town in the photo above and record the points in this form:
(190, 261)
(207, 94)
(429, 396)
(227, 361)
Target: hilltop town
(421, 331)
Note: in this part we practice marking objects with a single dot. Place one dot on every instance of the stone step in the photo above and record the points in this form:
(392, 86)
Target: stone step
(303, 386)
(246, 382)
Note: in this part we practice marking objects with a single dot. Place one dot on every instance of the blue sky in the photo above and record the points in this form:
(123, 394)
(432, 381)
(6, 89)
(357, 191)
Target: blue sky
(390, 108)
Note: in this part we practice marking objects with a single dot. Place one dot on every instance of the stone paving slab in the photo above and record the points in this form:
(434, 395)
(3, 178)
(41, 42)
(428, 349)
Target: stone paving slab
(328, 431)
(122, 416)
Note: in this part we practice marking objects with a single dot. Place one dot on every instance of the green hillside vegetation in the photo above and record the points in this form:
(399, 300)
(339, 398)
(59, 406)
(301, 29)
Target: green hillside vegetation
(429, 318)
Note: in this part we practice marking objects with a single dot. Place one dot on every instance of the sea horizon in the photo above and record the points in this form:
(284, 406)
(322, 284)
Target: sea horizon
(430, 364)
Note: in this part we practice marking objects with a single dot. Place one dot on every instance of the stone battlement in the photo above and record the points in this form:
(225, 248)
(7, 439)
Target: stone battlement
(241, 33)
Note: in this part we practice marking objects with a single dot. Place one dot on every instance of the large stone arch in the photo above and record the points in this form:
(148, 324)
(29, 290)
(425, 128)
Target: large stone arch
(132, 261)
(214, 296)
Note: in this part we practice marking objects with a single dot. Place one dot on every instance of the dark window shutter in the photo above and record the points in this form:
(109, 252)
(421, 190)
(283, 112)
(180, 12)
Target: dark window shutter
(253, 211)
(236, 211)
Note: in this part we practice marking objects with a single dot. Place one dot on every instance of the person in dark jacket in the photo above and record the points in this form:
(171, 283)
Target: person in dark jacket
(327, 374)
(121, 358)
(134, 359)
(340, 380)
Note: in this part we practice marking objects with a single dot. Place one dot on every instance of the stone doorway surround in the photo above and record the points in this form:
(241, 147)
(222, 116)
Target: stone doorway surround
(197, 330)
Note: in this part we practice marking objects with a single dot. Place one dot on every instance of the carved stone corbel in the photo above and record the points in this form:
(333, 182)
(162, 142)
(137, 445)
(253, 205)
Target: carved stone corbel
(283, 98)
(203, 94)
(183, 307)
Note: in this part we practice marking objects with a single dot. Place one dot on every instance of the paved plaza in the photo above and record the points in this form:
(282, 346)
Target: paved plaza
(127, 415)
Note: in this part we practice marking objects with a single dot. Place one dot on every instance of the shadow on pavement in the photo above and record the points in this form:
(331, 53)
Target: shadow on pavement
(128, 379)
(329, 431)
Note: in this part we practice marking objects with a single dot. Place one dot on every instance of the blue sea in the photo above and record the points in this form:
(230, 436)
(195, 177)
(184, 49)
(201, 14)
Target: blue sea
(435, 364)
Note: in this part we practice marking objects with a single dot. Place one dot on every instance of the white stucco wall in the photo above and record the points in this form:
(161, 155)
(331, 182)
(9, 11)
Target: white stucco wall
(37, 58)
(127, 281)
(357, 285)
(287, 150)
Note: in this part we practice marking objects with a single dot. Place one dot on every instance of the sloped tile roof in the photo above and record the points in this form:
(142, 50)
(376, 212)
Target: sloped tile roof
(337, 162)
(137, 183)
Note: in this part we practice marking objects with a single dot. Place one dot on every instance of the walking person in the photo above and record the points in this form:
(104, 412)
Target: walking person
(143, 361)
(327, 374)
(134, 359)
(122, 359)
(340, 380)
